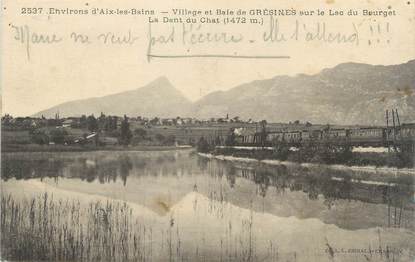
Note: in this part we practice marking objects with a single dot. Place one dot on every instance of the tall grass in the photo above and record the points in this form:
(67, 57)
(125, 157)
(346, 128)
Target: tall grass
(42, 228)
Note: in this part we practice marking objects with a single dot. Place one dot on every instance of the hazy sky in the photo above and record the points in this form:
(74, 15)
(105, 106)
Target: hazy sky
(37, 76)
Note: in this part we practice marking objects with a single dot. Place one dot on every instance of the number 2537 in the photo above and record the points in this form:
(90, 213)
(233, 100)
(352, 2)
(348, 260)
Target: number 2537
(31, 10)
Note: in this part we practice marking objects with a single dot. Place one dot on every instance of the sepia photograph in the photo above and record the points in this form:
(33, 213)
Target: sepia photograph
(191, 130)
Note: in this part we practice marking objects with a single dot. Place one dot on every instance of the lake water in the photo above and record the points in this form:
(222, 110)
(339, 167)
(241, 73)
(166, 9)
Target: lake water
(200, 209)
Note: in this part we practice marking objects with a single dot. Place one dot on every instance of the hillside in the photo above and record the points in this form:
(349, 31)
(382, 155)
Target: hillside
(349, 93)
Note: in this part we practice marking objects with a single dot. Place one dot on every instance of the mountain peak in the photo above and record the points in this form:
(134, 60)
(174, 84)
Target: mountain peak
(161, 85)
(158, 98)
(161, 81)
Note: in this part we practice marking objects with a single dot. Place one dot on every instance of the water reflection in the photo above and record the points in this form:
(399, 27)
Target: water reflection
(101, 167)
(282, 190)
(332, 185)
(337, 190)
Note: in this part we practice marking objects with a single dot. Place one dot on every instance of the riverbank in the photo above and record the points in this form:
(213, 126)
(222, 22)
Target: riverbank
(7, 148)
(321, 154)
(365, 169)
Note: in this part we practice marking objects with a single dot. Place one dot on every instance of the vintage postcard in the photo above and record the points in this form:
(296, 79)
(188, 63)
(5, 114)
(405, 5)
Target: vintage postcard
(191, 130)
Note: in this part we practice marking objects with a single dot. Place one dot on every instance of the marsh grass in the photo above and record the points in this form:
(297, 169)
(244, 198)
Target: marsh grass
(41, 228)
(44, 228)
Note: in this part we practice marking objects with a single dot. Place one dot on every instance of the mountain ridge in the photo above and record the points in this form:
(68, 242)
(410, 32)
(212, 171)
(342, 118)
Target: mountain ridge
(348, 93)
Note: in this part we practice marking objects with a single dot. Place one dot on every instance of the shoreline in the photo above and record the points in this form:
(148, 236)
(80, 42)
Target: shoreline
(271, 162)
(60, 148)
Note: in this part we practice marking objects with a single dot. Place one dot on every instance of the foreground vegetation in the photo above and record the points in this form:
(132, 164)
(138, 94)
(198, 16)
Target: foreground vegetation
(44, 228)
(41, 228)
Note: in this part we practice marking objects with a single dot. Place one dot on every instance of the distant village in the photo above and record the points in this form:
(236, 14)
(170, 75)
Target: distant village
(108, 130)
(104, 122)
(295, 141)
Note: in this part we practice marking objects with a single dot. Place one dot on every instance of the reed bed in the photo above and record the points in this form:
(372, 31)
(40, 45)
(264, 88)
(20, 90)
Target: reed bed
(41, 228)
(44, 228)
